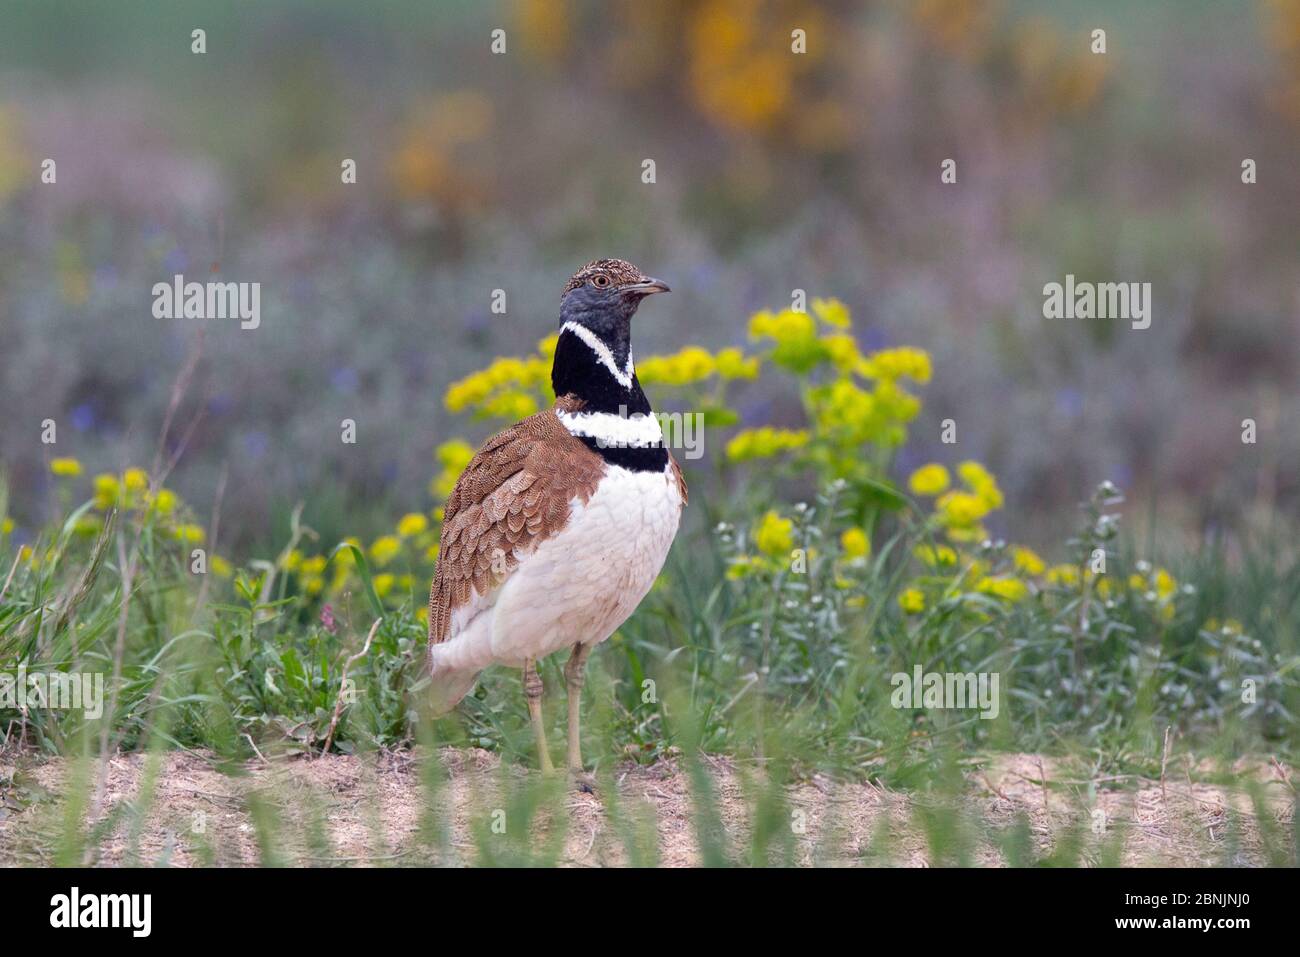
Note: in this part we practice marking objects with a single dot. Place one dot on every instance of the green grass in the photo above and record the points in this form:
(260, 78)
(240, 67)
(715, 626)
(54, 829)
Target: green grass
(787, 672)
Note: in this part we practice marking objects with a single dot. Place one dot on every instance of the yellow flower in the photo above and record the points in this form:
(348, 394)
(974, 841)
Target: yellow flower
(431, 553)
(904, 361)
(1027, 561)
(189, 534)
(412, 524)
(546, 347)
(832, 312)
(936, 555)
(774, 534)
(764, 442)
(1063, 575)
(383, 584)
(164, 503)
(65, 467)
(982, 483)
(1012, 589)
(106, 491)
(912, 601)
(25, 553)
(928, 480)
(732, 364)
(6, 526)
(795, 333)
(742, 566)
(961, 510)
(135, 479)
(855, 543)
(843, 351)
(385, 549)
(313, 584)
(1165, 584)
(220, 567)
(314, 565)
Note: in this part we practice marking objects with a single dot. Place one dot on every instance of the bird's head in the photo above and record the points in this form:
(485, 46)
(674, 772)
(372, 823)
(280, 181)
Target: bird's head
(603, 296)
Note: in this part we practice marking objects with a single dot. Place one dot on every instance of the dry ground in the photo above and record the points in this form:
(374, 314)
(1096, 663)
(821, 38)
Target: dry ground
(368, 810)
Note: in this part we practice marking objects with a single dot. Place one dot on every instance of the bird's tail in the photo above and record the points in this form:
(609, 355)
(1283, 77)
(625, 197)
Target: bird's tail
(447, 685)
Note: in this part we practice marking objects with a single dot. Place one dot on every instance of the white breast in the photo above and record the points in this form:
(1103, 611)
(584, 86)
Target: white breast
(584, 581)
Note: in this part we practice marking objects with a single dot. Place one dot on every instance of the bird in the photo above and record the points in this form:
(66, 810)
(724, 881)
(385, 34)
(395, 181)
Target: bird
(559, 525)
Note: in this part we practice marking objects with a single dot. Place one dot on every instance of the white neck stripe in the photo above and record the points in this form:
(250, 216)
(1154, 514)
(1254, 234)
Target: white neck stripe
(602, 352)
(614, 431)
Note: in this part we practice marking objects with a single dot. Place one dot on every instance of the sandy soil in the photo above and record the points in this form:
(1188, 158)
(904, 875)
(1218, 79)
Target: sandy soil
(339, 810)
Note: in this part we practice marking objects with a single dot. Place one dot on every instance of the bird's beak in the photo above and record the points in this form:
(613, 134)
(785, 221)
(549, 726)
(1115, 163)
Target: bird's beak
(647, 287)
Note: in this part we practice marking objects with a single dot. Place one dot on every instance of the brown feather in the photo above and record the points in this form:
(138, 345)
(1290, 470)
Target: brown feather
(513, 495)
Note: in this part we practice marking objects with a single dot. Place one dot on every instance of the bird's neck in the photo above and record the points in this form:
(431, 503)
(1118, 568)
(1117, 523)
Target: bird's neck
(597, 370)
(599, 400)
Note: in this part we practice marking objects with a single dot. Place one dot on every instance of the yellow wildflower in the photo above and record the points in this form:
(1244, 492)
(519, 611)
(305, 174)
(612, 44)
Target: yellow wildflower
(843, 351)
(384, 549)
(855, 543)
(732, 364)
(912, 601)
(1165, 584)
(692, 364)
(189, 534)
(961, 509)
(383, 584)
(220, 567)
(431, 553)
(106, 491)
(1012, 589)
(742, 566)
(795, 333)
(764, 442)
(928, 480)
(1027, 561)
(164, 503)
(1063, 575)
(6, 526)
(65, 467)
(314, 565)
(935, 555)
(832, 312)
(774, 534)
(412, 524)
(982, 483)
(904, 361)
(135, 479)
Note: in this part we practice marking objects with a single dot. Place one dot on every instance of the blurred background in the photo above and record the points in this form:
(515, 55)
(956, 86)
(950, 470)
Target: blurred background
(774, 171)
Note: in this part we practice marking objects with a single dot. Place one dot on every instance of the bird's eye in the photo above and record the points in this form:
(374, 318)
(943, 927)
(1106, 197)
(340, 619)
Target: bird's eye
(601, 281)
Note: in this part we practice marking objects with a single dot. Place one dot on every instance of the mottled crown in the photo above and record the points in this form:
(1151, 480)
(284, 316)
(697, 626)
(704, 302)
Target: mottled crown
(619, 272)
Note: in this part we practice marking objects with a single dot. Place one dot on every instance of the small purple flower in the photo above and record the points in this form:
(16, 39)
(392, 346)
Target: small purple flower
(327, 619)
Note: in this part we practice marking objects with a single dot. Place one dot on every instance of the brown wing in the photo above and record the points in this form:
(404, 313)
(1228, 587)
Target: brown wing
(514, 494)
(677, 474)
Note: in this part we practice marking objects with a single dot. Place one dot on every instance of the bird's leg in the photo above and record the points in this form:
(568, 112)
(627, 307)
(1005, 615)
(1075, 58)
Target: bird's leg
(574, 675)
(533, 694)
